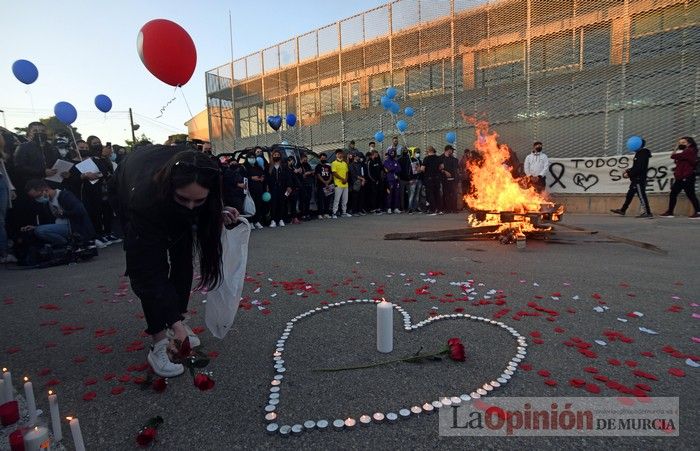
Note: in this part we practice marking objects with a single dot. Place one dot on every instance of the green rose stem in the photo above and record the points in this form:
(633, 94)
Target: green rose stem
(414, 358)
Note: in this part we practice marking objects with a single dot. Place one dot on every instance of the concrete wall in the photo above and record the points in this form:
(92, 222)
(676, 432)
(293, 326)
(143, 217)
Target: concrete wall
(602, 203)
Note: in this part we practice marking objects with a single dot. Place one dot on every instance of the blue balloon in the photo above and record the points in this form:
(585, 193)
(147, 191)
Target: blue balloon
(379, 136)
(275, 122)
(65, 112)
(25, 71)
(391, 92)
(394, 108)
(385, 102)
(291, 119)
(103, 103)
(634, 143)
(401, 125)
(261, 162)
(266, 197)
(408, 111)
(451, 137)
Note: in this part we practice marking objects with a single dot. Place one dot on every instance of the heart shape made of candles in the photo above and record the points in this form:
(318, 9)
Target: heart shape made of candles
(274, 427)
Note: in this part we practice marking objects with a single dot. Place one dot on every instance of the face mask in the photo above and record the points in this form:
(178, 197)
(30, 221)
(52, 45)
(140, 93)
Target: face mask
(42, 199)
(417, 155)
(681, 146)
(96, 147)
(323, 161)
(251, 161)
(63, 152)
(538, 149)
(275, 159)
(185, 212)
(113, 157)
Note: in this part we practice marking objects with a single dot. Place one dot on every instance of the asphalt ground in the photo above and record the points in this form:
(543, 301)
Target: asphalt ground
(72, 327)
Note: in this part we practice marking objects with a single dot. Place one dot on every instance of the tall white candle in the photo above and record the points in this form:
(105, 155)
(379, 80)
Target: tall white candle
(31, 403)
(77, 435)
(37, 439)
(7, 379)
(385, 327)
(2, 391)
(55, 418)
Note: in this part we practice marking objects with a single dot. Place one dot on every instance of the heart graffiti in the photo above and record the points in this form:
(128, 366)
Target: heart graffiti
(585, 181)
(276, 385)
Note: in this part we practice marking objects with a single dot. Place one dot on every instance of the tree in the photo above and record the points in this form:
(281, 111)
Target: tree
(141, 140)
(180, 137)
(54, 128)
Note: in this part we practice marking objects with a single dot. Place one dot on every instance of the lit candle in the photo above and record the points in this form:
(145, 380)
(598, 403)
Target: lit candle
(7, 379)
(77, 435)
(31, 403)
(55, 418)
(385, 327)
(37, 439)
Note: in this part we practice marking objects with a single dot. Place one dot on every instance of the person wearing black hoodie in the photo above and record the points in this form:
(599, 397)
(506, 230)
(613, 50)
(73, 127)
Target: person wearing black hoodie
(279, 185)
(638, 182)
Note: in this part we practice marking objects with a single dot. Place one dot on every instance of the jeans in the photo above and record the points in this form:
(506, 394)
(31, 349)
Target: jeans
(414, 194)
(341, 199)
(4, 201)
(56, 234)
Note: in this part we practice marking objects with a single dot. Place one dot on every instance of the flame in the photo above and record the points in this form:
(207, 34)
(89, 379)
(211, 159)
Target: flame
(496, 191)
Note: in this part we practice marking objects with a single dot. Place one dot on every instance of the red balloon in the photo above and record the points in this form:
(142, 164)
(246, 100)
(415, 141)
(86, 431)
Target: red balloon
(167, 51)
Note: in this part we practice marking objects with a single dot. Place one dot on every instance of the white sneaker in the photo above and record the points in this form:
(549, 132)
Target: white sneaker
(327, 216)
(281, 223)
(388, 211)
(334, 217)
(9, 258)
(194, 339)
(160, 363)
(347, 215)
(273, 224)
(100, 244)
(397, 211)
(258, 225)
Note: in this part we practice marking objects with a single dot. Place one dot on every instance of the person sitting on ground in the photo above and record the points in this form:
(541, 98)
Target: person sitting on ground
(70, 214)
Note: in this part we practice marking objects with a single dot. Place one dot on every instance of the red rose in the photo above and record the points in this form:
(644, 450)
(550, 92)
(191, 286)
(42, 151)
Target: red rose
(185, 349)
(146, 436)
(453, 341)
(457, 352)
(160, 384)
(203, 382)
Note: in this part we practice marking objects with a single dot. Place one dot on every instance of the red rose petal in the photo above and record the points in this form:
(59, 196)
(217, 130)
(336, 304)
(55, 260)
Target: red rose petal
(640, 373)
(117, 390)
(625, 401)
(90, 381)
(647, 354)
(526, 367)
(544, 373)
(601, 377)
(591, 369)
(631, 363)
(89, 396)
(125, 378)
(551, 383)
(52, 382)
(578, 383)
(614, 362)
(109, 376)
(644, 387)
(592, 388)
(13, 350)
(676, 372)
(44, 372)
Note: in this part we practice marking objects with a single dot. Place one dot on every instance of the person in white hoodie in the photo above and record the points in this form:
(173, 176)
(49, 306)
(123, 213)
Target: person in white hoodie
(536, 166)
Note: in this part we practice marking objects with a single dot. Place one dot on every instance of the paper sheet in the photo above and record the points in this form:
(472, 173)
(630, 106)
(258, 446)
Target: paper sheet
(88, 166)
(60, 166)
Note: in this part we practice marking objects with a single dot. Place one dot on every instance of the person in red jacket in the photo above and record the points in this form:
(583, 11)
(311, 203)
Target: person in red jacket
(686, 158)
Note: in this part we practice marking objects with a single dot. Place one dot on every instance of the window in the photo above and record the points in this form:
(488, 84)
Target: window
(330, 100)
(662, 31)
(377, 87)
(248, 124)
(557, 51)
(596, 46)
(309, 104)
(353, 99)
(500, 64)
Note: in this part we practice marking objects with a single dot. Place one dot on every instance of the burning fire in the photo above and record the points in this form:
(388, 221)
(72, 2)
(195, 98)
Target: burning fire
(496, 197)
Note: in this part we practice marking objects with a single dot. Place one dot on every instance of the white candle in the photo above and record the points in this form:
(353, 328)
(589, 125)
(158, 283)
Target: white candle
(31, 403)
(77, 435)
(55, 418)
(385, 327)
(2, 391)
(7, 379)
(37, 439)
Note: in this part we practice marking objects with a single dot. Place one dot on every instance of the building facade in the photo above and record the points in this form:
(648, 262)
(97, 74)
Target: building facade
(579, 75)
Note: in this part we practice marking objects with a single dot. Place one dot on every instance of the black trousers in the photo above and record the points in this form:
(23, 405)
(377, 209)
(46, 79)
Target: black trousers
(278, 206)
(449, 195)
(637, 188)
(687, 185)
(354, 200)
(305, 199)
(432, 193)
(164, 300)
(106, 216)
(323, 202)
(375, 195)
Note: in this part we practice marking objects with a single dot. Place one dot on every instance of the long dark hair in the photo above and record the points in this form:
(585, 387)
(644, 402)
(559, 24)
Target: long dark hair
(195, 167)
(691, 143)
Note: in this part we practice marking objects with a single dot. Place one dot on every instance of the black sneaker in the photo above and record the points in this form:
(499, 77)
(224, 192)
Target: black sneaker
(645, 215)
(666, 214)
(694, 216)
(618, 211)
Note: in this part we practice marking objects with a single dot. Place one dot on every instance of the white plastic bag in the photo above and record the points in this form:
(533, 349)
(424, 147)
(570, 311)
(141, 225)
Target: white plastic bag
(248, 203)
(222, 302)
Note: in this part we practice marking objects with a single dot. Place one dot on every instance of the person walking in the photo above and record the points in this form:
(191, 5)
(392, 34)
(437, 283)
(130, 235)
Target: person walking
(686, 158)
(638, 181)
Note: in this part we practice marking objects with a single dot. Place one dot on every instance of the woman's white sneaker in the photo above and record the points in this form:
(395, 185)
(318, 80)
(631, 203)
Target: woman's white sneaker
(160, 362)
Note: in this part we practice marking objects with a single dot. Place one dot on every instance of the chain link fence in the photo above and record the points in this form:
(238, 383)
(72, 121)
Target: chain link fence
(579, 75)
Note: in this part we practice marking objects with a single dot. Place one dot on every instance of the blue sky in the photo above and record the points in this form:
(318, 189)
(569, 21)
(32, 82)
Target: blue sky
(84, 48)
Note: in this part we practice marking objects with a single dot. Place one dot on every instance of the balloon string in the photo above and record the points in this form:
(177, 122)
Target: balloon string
(31, 100)
(185, 99)
(164, 107)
